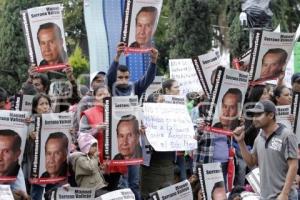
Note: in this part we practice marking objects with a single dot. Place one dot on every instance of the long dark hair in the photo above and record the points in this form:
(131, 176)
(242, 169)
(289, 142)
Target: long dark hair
(36, 99)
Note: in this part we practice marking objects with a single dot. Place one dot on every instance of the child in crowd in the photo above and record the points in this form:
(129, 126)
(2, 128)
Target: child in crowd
(86, 163)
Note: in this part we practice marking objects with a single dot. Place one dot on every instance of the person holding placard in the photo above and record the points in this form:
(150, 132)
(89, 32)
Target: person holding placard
(275, 152)
(118, 76)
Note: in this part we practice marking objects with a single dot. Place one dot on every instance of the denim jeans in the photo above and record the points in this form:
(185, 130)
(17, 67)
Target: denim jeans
(132, 180)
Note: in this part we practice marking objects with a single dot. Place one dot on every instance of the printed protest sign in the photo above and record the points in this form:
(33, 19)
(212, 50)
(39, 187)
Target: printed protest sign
(123, 194)
(73, 193)
(52, 139)
(44, 34)
(211, 180)
(13, 134)
(254, 180)
(121, 141)
(23, 102)
(178, 191)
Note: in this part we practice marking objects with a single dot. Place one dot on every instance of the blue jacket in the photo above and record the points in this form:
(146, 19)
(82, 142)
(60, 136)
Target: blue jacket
(139, 86)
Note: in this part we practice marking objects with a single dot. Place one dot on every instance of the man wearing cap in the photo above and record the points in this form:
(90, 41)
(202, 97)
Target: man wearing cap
(274, 152)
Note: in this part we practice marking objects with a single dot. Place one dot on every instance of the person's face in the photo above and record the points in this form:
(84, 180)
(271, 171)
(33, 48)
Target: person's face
(229, 110)
(2, 105)
(285, 97)
(219, 194)
(127, 139)
(266, 95)
(174, 89)
(122, 78)
(296, 86)
(262, 120)
(42, 106)
(38, 86)
(51, 45)
(98, 81)
(55, 156)
(93, 149)
(7, 155)
(100, 94)
(144, 29)
(271, 65)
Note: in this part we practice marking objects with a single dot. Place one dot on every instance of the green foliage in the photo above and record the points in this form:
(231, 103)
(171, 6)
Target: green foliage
(190, 28)
(78, 62)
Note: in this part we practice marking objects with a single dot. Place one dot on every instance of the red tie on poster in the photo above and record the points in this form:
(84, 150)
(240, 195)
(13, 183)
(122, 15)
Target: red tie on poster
(230, 169)
(47, 68)
(136, 50)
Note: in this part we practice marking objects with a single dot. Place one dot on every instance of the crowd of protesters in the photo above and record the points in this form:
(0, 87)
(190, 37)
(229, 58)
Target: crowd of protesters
(88, 169)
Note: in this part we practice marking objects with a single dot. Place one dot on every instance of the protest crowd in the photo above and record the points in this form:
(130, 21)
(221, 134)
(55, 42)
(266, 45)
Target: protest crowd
(234, 136)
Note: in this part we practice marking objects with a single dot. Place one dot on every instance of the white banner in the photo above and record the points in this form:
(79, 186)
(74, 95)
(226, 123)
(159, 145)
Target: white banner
(169, 127)
(183, 71)
(124, 194)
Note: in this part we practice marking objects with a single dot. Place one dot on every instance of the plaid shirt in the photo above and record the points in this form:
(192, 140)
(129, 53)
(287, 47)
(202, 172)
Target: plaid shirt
(205, 150)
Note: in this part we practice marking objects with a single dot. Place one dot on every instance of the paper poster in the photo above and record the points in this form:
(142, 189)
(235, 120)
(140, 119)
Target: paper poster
(5, 192)
(53, 138)
(253, 178)
(139, 22)
(154, 87)
(23, 102)
(13, 134)
(121, 141)
(169, 127)
(283, 116)
(73, 193)
(295, 112)
(212, 181)
(178, 191)
(123, 194)
(244, 61)
(183, 71)
(174, 99)
(227, 99)
(44, 34)
(206, 66)
(270, 53)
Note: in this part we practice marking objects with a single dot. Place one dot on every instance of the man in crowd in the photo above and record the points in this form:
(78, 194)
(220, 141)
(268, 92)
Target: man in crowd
(50, 39)
(118, 76)
(128, 136)
(10, 150)
(273, 62)
(274, 152)
(56, 151)
(144, 27)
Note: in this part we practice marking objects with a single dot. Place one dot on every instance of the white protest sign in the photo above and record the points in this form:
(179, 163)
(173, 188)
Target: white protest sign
(183, 71)
(283, 114)
(178, 191)
(169, 127)
(73, 193)
(5, 192)
(123, 194)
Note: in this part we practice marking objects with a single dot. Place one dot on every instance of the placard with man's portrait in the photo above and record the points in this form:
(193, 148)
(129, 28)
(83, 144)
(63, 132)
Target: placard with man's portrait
(122, 141)
(270, 53)
(51, 148)
(44, 34)
(139, 22)
(227, 98)
(13, 134)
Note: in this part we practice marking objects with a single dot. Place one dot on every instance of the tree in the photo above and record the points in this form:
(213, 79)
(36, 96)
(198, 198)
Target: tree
(79, 62)
(13, 53)
(190, 31)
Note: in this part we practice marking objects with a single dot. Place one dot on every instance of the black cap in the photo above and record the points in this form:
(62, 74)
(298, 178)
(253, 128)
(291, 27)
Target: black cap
(263, 106)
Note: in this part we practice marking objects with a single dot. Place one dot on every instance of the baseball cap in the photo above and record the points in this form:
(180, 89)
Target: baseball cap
(263, 106)
(295, 77)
